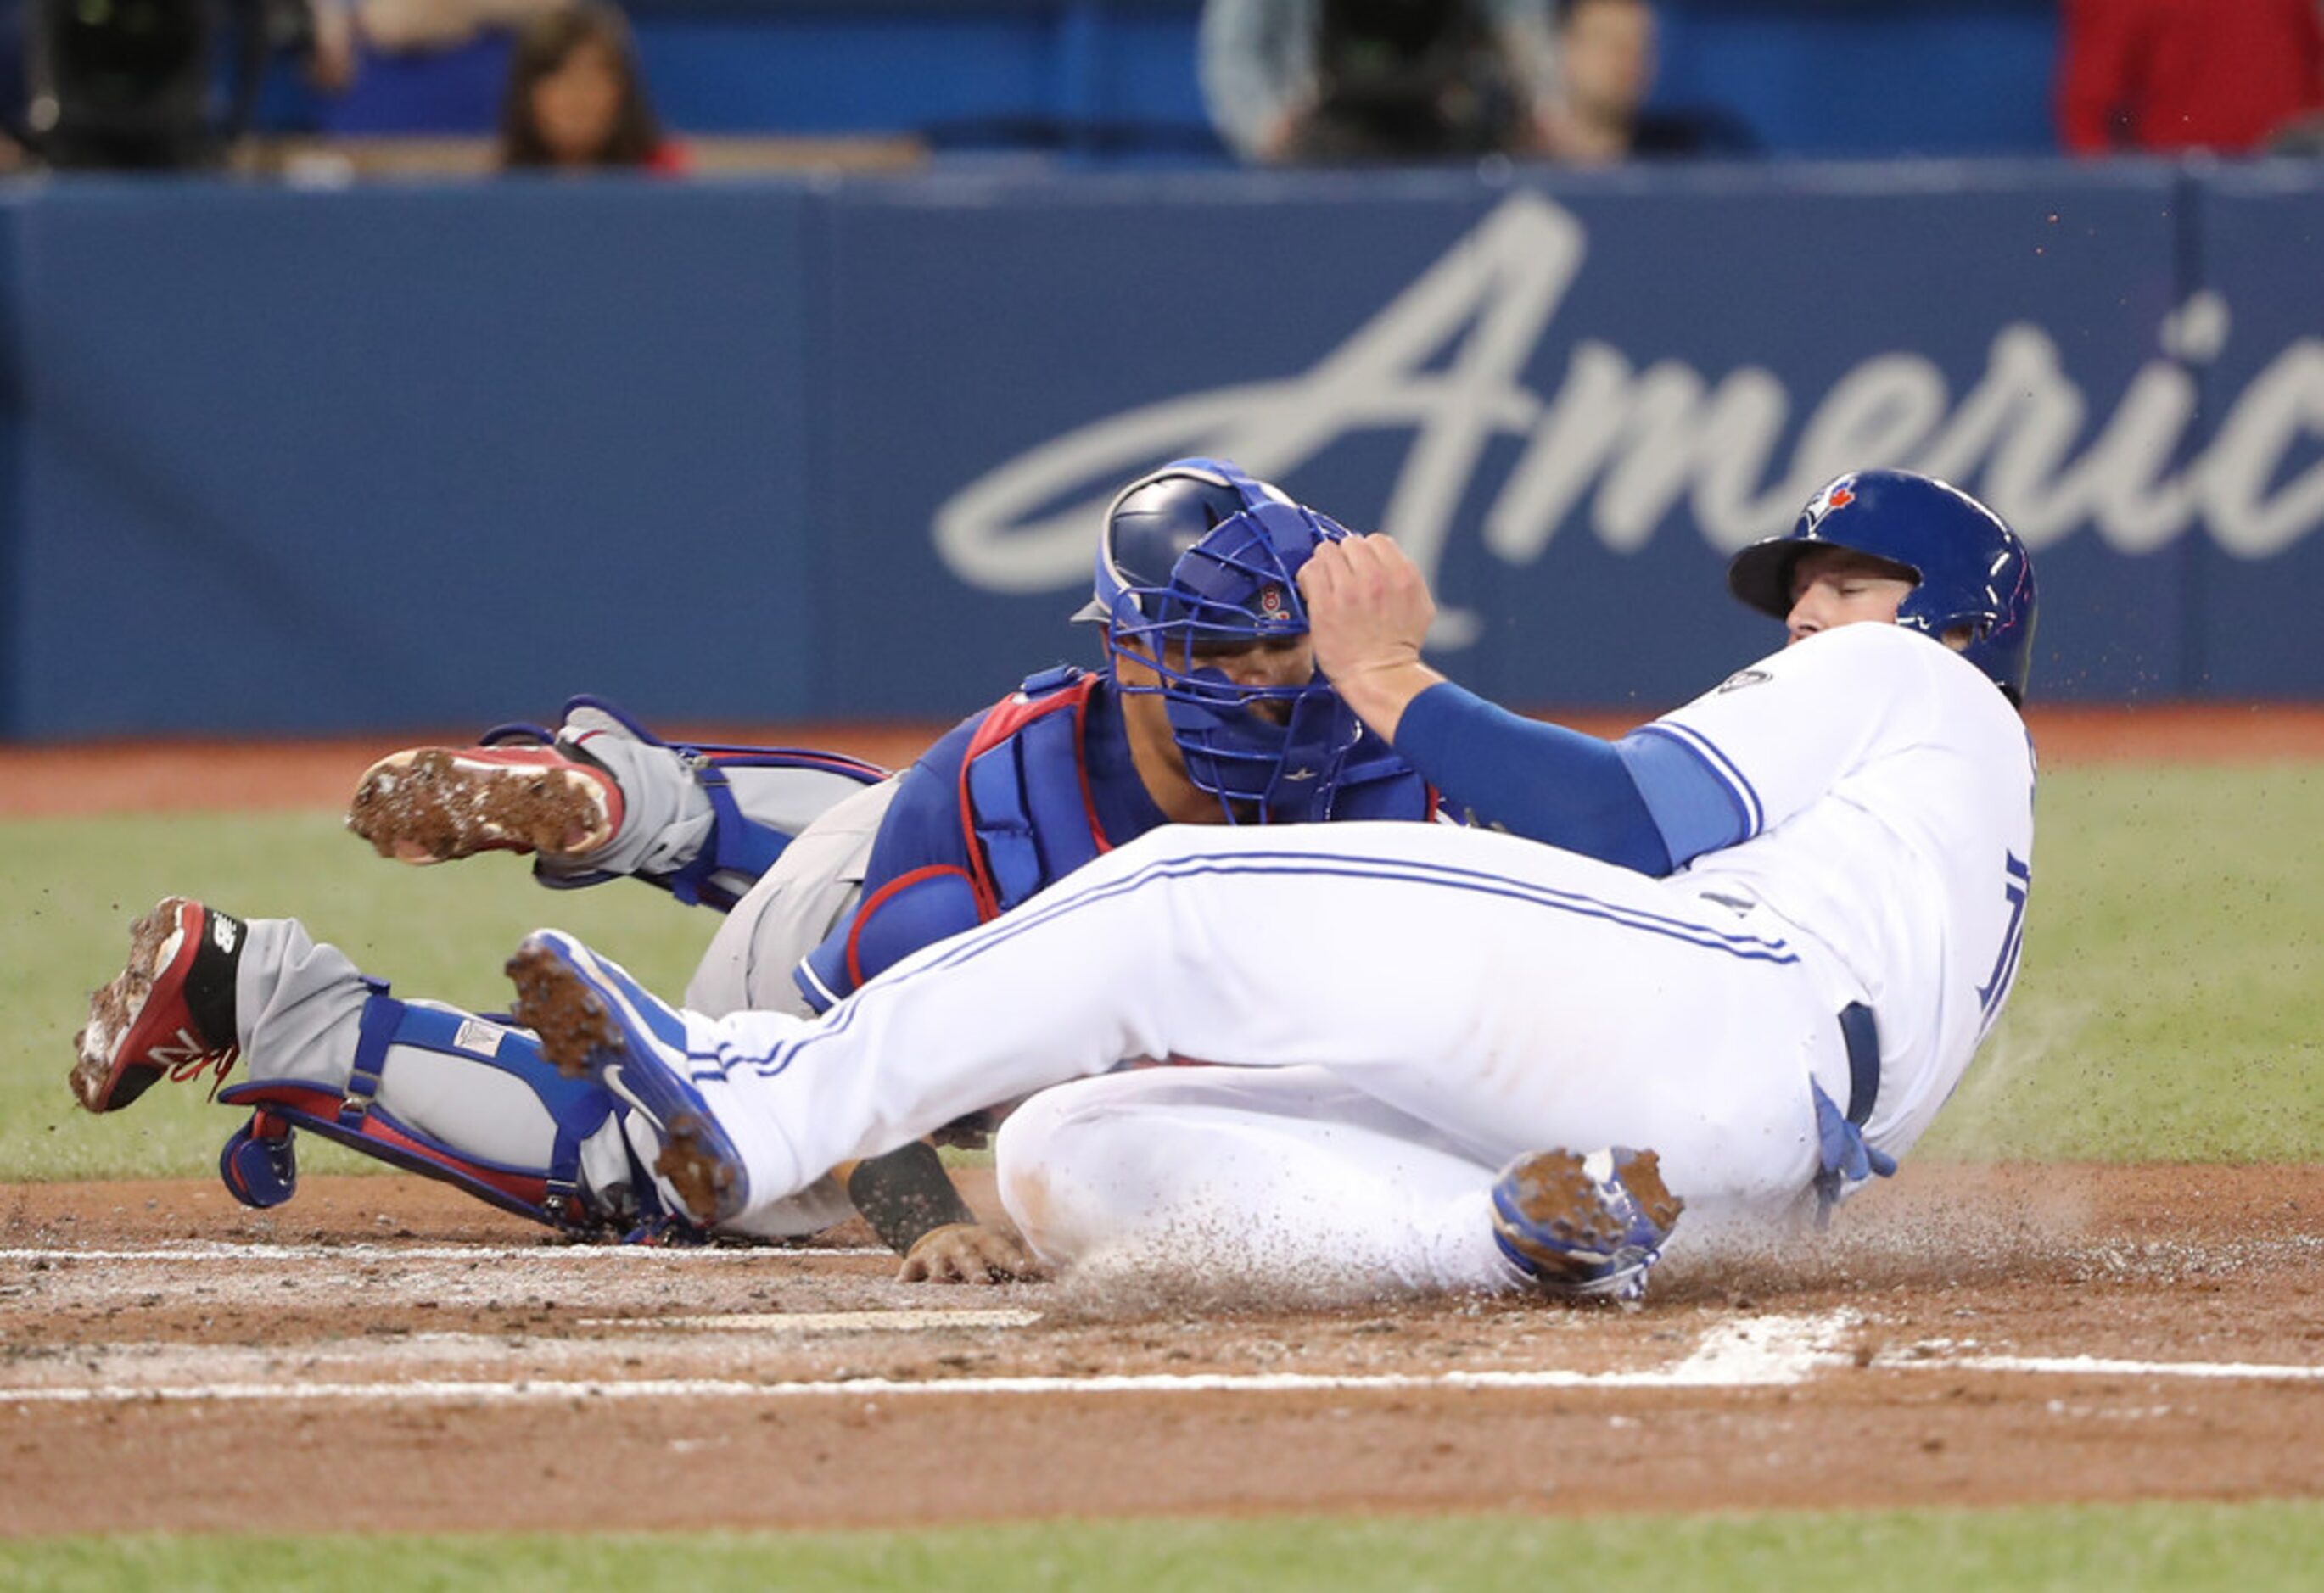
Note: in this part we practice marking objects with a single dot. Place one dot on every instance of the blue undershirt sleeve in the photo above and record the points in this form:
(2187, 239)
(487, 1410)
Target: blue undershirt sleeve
(1695, 810)
(1532, 778)
(1647, 802)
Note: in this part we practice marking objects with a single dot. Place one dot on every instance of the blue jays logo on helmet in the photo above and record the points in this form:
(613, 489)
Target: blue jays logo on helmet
(1838, 494)
(1199, 557)
(1969, 571)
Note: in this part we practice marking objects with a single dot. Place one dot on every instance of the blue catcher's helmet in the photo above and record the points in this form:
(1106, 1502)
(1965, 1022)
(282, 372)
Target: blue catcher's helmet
(1968, 567)
(1199, 554)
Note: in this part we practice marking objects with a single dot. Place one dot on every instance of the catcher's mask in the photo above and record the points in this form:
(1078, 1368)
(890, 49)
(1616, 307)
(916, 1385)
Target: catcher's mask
(1968, 569)
(1200, 555)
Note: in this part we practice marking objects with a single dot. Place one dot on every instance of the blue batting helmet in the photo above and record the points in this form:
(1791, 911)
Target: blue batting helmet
(1968, 569)
(1201, 554)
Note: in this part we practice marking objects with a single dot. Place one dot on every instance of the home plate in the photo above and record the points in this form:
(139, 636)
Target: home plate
(824, 1321)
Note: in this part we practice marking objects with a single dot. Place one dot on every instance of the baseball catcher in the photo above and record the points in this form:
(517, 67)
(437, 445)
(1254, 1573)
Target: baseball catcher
(1209, 710)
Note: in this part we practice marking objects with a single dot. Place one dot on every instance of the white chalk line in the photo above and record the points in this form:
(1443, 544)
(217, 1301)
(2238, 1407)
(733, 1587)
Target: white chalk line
(205, 1250)
(546, 1391)
(821, 1322)
(1762, 1353)
(1758, 1352)
(2090, 1366)
(858, 1387)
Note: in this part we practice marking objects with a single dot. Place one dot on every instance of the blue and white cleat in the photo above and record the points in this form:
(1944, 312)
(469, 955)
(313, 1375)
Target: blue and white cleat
(1584, 1228)
(595, 1020)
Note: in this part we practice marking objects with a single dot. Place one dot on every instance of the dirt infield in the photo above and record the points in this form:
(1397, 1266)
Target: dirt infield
(384, 1354)
(144, 777)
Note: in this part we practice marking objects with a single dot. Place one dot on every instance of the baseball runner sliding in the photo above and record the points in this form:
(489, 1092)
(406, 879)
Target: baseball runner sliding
(1738, 959)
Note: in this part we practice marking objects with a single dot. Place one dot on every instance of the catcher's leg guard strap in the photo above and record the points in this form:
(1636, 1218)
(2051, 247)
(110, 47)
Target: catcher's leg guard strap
(703, 822)
(761, 798)
(736, 847)
(382, 1017)
(431, 1092)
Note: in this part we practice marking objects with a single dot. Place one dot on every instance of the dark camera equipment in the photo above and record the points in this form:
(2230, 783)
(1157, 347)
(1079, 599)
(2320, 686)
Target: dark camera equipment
(1408, 79)
(140, 84)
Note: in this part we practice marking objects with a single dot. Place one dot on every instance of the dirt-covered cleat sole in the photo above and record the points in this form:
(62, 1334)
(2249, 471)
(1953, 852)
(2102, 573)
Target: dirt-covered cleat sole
(162, 1015)
(569, 1018)
(593, 1020)
(1585, 1226)
(704, 1180)
(430, 804)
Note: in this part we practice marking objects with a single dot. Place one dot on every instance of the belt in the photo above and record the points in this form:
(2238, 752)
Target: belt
(1845, 1160)
(1860, 1033)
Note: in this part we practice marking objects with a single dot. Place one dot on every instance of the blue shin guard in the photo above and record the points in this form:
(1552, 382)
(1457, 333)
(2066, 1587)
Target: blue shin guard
(258, 1164)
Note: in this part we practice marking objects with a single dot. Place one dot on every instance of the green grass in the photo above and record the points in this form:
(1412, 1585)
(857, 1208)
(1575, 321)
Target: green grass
(2250, 1548)
(2171, 1005)
(2172, 1001)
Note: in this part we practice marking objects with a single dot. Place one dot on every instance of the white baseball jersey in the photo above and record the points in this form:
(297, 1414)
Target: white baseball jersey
(1894, 823)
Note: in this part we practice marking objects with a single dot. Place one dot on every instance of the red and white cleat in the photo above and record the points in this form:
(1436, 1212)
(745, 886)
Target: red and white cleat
(168, 1014)
(430, 804)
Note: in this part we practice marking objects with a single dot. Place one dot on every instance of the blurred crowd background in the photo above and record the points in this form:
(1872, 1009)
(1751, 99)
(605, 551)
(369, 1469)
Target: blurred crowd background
(679, 86)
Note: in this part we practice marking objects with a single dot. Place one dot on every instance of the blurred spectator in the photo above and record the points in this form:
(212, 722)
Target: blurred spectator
(418, 67)
(2160, 75)
(576, 98)
(1318, 80)
(401, 25)
(321, 35)
(1605, 64)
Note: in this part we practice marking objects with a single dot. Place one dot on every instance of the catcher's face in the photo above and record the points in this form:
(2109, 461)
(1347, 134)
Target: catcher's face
(1274, 661)
(1270, 663)
(1259, 664)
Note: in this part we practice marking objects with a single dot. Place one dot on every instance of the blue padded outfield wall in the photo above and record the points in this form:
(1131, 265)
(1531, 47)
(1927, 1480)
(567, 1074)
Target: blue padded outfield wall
(288, 461)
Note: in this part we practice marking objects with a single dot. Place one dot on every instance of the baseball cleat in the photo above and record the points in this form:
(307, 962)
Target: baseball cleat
(1585, 1226)
(430, 804)
(170, 1012)
(593, 1020)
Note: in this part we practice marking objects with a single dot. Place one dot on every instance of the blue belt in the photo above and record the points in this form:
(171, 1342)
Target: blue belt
(1861, 1034)
(1845, 1160)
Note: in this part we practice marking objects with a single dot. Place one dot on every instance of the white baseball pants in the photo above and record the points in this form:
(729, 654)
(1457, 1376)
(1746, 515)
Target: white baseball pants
(1451, 998)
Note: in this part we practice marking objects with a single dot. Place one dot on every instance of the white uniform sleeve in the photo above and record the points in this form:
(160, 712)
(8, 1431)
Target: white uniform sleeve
(1783, 733)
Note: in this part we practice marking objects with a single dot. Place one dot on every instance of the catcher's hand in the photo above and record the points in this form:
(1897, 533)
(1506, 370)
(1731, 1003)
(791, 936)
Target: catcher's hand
(968, 1253)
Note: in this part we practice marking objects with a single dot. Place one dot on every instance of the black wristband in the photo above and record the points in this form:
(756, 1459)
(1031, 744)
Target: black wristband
(905, 1194)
